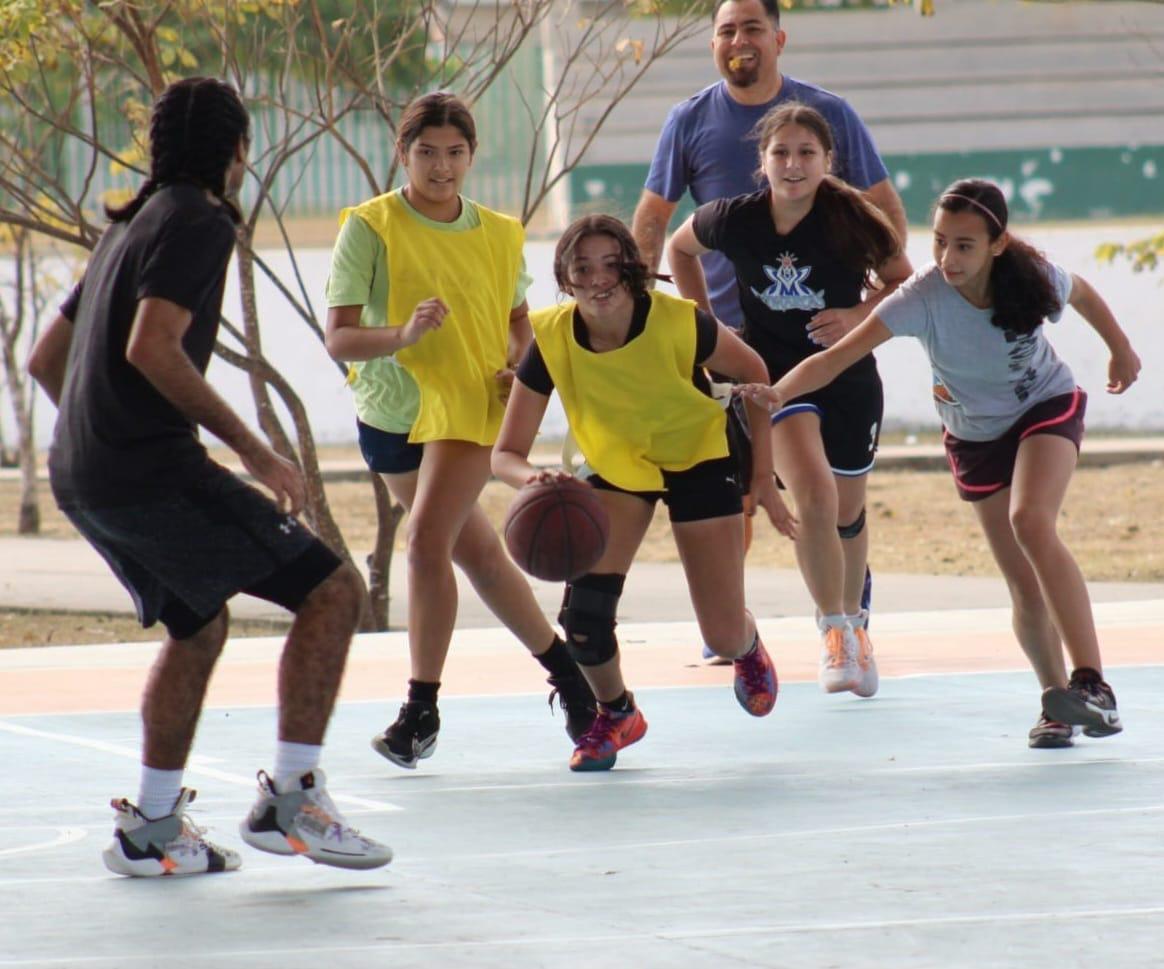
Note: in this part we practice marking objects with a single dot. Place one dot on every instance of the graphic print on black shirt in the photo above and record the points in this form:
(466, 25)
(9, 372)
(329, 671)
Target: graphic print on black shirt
(783, 280)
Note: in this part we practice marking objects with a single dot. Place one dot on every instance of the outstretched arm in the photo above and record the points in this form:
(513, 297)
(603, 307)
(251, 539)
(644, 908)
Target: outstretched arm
(820, 369)
(830, 325)
(1124, 366)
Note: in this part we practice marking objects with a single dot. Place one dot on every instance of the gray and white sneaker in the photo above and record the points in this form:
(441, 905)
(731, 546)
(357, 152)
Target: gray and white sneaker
(1087, 702)
(172, 845)
(305, 821)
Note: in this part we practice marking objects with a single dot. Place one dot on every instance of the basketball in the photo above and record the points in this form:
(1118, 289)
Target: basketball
(556, 530)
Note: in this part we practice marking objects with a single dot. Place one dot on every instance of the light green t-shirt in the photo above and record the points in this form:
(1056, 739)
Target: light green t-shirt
(386, 396)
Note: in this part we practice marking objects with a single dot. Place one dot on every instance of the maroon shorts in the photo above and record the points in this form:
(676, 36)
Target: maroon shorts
(982, 468)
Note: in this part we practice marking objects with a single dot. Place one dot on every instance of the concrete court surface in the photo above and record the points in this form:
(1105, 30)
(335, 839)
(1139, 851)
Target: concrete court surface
(915, 829)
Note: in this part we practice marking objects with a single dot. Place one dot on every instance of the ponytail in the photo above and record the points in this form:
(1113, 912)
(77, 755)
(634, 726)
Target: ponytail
(861, 233)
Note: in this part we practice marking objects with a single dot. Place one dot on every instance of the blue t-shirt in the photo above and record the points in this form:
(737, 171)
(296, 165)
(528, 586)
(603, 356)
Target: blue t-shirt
(704, 147)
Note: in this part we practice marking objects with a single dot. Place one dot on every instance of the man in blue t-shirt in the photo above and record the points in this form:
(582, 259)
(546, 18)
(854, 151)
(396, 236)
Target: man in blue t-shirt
(704, 145)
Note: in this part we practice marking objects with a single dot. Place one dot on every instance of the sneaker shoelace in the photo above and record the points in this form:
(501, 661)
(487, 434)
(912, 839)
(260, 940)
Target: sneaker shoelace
(602, 730)
(835, 647)
(752, 672)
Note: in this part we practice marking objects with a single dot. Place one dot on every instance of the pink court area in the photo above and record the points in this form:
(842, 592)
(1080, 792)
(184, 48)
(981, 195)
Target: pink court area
(76, 679)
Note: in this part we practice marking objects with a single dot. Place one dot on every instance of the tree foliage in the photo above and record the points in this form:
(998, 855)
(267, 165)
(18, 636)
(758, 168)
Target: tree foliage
(79, 75)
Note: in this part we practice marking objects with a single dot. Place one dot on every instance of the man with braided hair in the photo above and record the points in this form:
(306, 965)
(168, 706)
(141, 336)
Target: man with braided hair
(125, 362)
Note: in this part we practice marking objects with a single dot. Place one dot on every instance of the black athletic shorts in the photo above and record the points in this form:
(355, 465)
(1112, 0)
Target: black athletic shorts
(850, 424)
(982, 468)
(710, 489)
(185, 553)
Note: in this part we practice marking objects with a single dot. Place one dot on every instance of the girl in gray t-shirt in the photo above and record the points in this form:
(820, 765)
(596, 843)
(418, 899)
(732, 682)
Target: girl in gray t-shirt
(1013, 422)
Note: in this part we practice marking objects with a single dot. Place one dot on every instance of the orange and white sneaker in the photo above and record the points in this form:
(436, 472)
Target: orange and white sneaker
(172, 845)
(838, 659)
(866, 664)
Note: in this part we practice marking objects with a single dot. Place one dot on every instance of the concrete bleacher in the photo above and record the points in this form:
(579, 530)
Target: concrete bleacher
(978, 75)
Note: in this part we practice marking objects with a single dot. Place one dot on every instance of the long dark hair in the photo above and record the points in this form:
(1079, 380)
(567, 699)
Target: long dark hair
(860, 233)
(435, 110)
(634, 272)
(1022, 293)
(195, 129)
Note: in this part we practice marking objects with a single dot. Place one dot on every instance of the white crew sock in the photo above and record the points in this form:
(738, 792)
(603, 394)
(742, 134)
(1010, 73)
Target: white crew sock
(158, 792)
(292, 761)
(833, 620)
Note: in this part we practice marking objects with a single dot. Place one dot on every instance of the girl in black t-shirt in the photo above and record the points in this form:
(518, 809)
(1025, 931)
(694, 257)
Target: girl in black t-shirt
(804, 250)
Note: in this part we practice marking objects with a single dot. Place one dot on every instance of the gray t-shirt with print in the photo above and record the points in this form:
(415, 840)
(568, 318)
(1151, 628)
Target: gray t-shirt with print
(984, 378)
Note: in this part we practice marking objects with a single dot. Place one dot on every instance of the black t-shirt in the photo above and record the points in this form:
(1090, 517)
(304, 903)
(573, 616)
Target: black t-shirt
(783, 280)
(117, 439)
(533, 373)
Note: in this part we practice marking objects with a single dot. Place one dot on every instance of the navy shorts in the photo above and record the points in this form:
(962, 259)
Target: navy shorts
(183, 554)
(388, 453)
(710, 489)
(850, 424)
(982, 468)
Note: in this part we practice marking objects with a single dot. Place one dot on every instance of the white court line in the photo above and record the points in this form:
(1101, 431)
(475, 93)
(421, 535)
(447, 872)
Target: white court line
(652, 778)
(195, 768)
(268, 953)
(983, 819)
(64, 836)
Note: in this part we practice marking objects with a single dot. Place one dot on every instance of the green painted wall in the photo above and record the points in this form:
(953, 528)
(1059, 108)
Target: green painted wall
(1043, 184)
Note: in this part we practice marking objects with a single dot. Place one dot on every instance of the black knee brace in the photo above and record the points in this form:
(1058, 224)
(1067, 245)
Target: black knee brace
(588, 615)
(853, 530)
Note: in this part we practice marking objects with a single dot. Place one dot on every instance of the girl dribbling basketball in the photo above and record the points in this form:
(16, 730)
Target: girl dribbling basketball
(627, 365)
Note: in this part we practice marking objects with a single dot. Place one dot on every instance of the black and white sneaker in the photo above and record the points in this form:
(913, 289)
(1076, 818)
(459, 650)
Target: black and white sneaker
(412, 737)
(1088, 702)
(172, 845)
(577, 701)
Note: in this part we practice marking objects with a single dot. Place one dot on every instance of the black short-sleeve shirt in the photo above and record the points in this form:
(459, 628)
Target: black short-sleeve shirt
(533, 373)
(117, 439)
(783, 280)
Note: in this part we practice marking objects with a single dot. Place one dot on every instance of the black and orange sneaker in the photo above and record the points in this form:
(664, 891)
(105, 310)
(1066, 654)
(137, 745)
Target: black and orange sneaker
(1087, 701)
(598, 748)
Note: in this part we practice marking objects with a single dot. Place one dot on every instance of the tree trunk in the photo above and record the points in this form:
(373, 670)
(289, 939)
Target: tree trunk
(388, 517)
(269, 421)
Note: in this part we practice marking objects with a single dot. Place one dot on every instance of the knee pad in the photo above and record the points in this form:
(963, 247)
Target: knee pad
(588, 615)
(853, 530)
